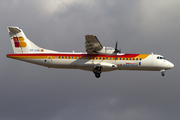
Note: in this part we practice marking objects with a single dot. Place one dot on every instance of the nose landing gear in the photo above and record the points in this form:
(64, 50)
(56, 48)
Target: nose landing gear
(97, 71)
(163, 72)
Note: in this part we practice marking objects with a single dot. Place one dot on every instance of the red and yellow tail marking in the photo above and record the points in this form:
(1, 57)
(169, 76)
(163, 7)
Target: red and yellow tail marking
(19, 42)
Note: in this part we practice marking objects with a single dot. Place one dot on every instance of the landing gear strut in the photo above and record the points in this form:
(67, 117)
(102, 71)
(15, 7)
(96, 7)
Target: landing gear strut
(97, 71)
(163, 72)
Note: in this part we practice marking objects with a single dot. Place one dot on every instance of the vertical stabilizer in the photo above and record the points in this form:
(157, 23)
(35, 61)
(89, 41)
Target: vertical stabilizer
(20, 43)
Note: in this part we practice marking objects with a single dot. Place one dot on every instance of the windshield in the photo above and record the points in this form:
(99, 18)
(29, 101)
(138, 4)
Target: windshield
(160, 57)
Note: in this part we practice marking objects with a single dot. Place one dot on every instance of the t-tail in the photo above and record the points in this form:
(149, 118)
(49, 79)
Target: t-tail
(21, 44)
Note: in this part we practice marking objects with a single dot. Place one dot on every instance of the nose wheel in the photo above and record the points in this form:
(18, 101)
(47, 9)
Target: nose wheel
(163, 72)
(97, 71)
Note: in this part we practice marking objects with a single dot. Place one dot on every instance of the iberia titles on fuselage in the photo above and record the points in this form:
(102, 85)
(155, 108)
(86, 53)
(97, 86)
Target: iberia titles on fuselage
(97, 58)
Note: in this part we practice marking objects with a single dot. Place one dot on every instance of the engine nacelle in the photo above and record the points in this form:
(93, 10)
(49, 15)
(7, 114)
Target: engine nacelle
(89, 66)
(107, 66)
(106, 50)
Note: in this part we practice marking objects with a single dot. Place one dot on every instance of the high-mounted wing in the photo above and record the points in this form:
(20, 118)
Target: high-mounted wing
(92, 44)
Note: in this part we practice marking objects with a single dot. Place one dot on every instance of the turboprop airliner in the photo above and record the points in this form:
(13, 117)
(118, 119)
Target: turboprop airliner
(97, 58)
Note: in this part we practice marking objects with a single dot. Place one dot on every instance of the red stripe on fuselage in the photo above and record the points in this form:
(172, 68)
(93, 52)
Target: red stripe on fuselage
(76, 55)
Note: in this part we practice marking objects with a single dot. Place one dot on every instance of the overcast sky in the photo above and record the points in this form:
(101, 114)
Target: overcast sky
(31, 92)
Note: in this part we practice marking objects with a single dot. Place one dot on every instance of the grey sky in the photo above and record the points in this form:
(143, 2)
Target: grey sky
(31, 92)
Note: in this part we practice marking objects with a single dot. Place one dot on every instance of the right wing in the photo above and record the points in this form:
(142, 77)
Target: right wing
(92, 44)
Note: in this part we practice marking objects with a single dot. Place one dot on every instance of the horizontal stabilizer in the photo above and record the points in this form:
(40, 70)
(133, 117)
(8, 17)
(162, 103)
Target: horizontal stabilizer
(14, 30)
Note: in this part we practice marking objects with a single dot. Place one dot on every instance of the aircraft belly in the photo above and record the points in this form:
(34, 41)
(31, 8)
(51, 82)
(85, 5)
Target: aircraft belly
(141, 68)
(36, 61)
(53, 63)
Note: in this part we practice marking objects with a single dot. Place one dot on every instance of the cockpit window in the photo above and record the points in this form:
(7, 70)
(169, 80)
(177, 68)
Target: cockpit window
(160, 57)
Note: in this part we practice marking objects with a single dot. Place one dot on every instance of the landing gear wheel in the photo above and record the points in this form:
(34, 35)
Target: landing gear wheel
(97, 71)
(98, 75)
(163, 72)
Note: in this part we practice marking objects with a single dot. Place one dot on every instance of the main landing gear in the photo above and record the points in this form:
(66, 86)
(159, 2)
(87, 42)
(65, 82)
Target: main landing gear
(97, 71)
(163, 72)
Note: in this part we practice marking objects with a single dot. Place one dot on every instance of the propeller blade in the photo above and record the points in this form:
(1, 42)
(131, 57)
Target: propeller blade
(116, 46)
(116, 50)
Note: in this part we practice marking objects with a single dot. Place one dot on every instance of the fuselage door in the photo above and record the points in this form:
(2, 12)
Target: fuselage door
(49, 59)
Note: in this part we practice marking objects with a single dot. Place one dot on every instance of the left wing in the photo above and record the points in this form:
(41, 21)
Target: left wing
(92, 44)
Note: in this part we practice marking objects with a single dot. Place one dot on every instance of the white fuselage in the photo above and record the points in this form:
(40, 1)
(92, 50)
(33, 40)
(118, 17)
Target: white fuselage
(88, 62)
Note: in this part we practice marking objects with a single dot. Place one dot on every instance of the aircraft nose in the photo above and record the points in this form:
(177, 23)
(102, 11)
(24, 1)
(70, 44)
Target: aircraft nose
(171, 65)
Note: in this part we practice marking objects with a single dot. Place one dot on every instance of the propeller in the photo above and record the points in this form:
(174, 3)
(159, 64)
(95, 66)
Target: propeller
(116, 50)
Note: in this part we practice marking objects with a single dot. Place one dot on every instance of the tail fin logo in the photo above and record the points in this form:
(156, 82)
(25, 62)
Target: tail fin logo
(19, 42)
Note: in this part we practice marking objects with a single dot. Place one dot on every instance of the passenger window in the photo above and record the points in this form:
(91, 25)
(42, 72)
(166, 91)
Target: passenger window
(62, 57)
(59, 57)
(140, 59)
(157, 57)
(129, 58)
(123, 58)
(136, 58)
(126, 58)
